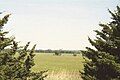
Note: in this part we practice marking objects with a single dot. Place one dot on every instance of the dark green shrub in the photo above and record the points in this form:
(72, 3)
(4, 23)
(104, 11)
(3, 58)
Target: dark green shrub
(58, 53)
(74, 54)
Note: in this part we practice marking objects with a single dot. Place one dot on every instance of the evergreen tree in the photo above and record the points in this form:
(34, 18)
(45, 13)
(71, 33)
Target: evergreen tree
(103, 62)
(16, 62)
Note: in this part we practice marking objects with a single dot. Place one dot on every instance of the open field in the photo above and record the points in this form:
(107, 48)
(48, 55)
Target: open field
(65, 67)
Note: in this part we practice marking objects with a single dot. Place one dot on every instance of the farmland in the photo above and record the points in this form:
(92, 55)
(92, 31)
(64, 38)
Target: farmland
(64, 67)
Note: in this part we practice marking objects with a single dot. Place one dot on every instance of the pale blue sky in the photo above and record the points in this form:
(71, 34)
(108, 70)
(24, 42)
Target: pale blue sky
(56, 24)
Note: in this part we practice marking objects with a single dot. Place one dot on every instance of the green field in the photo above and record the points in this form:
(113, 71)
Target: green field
(65, 67)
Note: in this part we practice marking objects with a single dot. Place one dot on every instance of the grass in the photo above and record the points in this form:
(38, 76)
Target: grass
(65, 67)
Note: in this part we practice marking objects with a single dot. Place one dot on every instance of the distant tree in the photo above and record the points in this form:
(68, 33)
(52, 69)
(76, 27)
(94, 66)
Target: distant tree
(103, 63)
(16, 62)
(58, 53)
(74, 54)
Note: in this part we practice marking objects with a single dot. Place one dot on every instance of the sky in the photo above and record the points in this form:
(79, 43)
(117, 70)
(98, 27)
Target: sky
(56, 24)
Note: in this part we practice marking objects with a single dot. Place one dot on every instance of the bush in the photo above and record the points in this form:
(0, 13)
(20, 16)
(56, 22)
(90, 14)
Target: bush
(74, 54)
(58, 53)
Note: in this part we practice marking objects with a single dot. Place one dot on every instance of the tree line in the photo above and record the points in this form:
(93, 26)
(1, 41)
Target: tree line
(60, 51)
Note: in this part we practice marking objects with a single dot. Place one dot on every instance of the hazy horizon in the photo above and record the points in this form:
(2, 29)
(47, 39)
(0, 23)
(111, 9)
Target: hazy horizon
(56, 24)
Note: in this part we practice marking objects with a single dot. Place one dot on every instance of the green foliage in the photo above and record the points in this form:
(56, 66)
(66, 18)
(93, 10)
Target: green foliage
(14, 67)
(58, 53)
(103, 62)
(74, 54)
